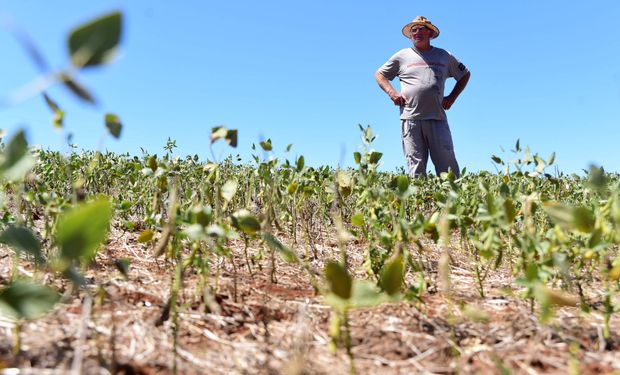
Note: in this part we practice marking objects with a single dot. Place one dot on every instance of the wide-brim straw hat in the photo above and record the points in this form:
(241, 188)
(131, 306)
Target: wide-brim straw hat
(420, 20)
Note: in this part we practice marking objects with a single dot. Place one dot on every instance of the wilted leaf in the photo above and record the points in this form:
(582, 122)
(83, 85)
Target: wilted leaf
(215, 230)
(220, 132)
(231, 137)
(77, 88)
(95, 42)
(195, 232)
(285, 252)
(122, 265)
(229, 189)
(23, 299)
(556, 297)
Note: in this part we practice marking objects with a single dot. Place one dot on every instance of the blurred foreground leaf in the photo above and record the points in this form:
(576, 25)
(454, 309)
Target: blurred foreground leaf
(22, 239)
(285, 252)
(25, 300)
(95, 42)
(113, 124)
(82, 230)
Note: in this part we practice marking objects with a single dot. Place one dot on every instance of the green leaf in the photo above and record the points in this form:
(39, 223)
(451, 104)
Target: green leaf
(374, 157)
(229, 189)
(531, 272)
(23, 299)
(246, 222)
(497, 160)
(16, 162)
(266, 145)
(146, 236)
(113, 124)
(358, 220)
(292, 187)
(300, 163)
(95, 42)
(285, 252)
(82, 230)
(402, 182)
(392, 276)
(358, 157)
(22, 239)
(339, 279)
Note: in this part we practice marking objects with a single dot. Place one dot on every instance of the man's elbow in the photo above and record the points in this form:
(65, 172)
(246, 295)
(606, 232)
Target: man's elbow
(379, 76)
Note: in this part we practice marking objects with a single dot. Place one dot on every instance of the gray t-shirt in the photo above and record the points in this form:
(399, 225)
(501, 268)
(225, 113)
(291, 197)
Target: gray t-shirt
(422, 77)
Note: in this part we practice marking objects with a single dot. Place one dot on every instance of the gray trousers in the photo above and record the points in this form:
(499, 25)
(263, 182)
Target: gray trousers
(424, 137)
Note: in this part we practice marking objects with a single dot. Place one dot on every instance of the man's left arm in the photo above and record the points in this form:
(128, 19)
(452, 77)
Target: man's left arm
(456, 91)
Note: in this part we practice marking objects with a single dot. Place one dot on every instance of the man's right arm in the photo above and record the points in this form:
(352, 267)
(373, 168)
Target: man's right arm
(386, 86)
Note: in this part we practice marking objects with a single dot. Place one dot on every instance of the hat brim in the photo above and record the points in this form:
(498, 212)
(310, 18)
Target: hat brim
(407, 29)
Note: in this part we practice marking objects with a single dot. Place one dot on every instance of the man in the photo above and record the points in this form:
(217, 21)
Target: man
(423, 70)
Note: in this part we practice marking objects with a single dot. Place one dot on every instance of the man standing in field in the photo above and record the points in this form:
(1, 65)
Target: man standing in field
(423, 70)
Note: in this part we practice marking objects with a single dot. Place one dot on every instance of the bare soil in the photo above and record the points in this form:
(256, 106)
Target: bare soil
(282, 327)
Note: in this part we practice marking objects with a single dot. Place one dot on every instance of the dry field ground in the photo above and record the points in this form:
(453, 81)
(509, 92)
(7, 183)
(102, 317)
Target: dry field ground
(282, 328)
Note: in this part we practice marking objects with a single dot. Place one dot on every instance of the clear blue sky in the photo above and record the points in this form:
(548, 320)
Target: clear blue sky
(301, 72)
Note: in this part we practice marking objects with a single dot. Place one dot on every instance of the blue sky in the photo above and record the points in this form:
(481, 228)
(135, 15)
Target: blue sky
(301, 72)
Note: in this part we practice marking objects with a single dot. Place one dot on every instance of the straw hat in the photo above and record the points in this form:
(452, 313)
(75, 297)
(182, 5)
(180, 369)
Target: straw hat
(420, 20)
